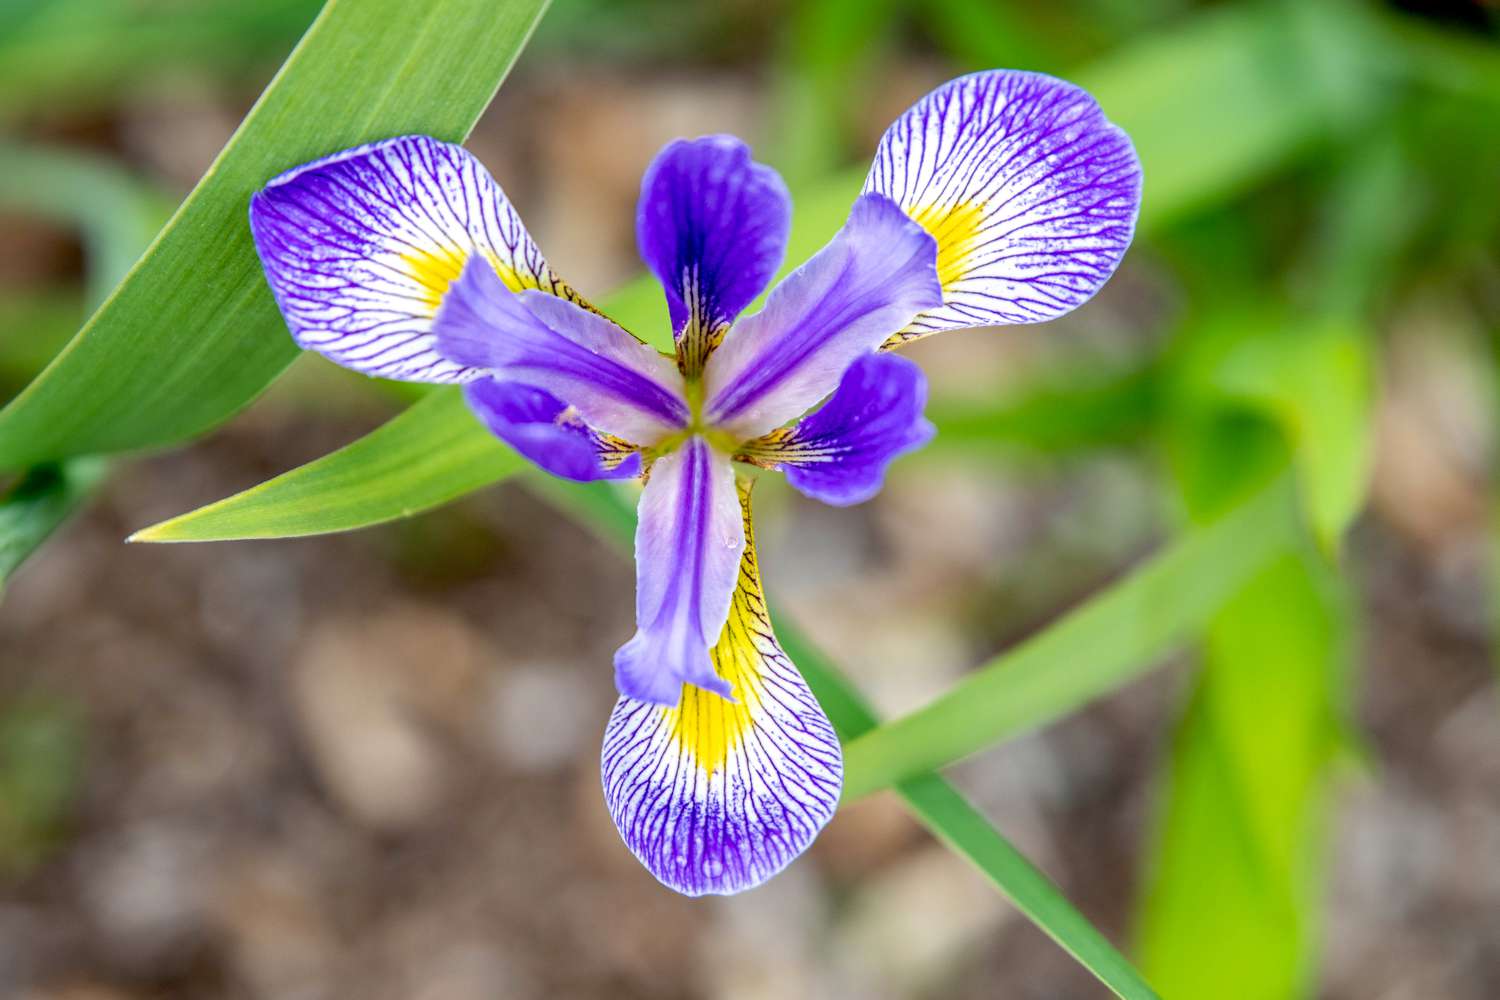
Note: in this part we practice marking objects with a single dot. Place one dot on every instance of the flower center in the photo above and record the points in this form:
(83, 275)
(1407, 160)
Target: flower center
(721, 440)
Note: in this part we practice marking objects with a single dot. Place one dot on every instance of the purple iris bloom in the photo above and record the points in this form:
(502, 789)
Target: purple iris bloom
(999, 198)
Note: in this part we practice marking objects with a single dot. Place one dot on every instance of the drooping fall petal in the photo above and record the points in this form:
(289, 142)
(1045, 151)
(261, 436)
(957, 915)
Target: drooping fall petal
(716, 796)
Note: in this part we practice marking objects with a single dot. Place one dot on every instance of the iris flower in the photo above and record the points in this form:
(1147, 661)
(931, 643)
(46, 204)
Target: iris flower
(1000, 198)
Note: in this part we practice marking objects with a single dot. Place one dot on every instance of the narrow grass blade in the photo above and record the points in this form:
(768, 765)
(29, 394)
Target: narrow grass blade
(192, 334)
(1113, 638)
(954, 820)
(400, 464)
(932, 800)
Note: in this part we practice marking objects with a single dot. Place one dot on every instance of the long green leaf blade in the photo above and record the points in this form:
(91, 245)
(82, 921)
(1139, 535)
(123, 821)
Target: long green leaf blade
(346, 489)
(1111, 639)
(192, 334)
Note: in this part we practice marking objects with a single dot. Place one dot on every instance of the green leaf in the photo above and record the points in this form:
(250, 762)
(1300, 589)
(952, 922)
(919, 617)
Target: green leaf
(399, 464)
(1317, 383)
(1231, 908)
(1111, 639)
(933, 801)
(954, 820)
(192, 335)
(31, 508)
(1210, 107)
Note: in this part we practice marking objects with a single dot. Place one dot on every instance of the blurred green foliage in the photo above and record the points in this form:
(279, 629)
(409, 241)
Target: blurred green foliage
(41, 753)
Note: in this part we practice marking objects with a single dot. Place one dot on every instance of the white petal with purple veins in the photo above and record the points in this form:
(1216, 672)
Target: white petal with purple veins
(1030, 191)
(360, 247)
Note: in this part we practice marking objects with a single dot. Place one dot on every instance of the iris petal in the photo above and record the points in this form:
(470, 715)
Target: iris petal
(687, 547)
(617, 384)
(360, 247)
(712, 225)
(544, 429)
(876, 274)
(838, 454)
(1031, 193)
(717, 796)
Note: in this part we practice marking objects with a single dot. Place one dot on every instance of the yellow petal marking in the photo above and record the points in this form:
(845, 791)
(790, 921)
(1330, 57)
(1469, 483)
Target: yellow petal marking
(956, 229)
(434, 270)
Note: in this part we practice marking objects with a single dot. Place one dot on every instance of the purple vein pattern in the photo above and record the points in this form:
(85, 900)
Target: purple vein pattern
(1031, 192)
(716, 796)
(359, 248)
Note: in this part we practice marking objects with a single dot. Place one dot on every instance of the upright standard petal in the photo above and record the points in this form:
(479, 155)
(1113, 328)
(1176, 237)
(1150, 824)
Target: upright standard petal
(617, 384)
(1031, 193)
(549, 432)
(716, 796)
(838, 453)
(876, 274)
(712, 226)
(359, 249)
(687, 547)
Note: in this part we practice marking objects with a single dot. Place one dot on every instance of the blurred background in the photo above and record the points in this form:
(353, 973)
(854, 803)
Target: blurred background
(366, 765)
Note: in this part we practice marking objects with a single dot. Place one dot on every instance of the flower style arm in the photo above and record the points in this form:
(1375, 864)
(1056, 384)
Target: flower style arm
(617, 384)
(687, 546)
(878, 272)
(550, 433)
